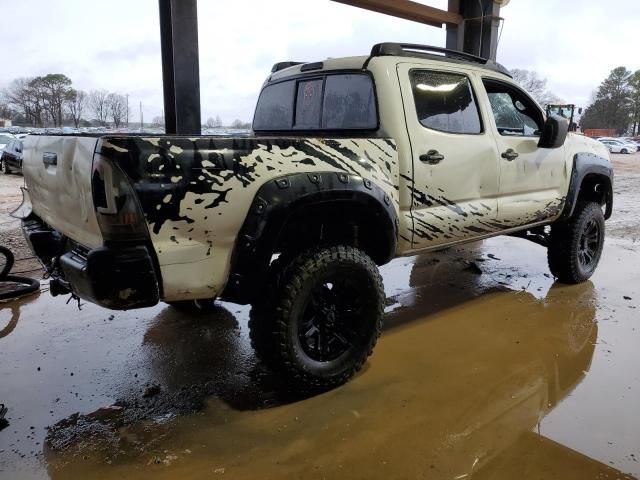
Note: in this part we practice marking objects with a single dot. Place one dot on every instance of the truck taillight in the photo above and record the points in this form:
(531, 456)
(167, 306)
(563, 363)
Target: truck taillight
(117, 210)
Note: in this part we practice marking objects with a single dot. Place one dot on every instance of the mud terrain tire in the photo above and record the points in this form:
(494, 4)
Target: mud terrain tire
(575, 246)
(261, 317)
(327, 316)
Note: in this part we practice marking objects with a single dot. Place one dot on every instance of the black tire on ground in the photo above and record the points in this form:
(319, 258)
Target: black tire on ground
(205, 305)
(327, 316)
(261, 317)
(27, 285)
(575, 246)
(4, 168)
(624, 150)
(6, 261)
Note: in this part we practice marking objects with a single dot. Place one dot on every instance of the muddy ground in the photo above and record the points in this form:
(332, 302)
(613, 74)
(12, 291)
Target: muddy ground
(487, 369)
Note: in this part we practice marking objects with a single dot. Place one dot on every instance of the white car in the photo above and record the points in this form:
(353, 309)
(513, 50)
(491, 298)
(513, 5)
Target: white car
(616, 146)
(5, 139)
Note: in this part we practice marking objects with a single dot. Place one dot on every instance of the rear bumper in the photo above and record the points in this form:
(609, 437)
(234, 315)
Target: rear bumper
(118, 278)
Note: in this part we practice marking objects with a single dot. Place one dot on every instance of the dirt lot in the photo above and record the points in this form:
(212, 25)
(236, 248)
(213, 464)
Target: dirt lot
(10, 233)
(496, 373)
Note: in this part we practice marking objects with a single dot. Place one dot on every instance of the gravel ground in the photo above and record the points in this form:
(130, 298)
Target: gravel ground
(10, 232)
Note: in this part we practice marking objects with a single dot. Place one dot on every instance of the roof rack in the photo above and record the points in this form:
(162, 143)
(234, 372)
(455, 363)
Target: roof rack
(282, 65)
(428, 51)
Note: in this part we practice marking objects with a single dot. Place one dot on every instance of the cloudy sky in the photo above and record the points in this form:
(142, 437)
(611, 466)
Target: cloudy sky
(115, 44)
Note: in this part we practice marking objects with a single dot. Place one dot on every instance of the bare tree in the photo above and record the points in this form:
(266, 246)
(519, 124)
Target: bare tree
(76, 103)
(536, 86)
(218, 122)
(158, 121)
(5, 110)
(99, 105)
(210, 123)
(117, 108)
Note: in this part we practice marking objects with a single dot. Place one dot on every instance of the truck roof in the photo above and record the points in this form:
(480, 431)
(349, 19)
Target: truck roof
(395, 51)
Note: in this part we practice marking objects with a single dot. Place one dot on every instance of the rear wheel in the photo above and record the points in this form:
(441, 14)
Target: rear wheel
(325, 316)
(3, 167)
(575, 246)
(624, 150)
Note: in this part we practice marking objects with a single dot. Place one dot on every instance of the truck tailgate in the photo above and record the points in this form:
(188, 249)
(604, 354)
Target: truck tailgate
(57, 173)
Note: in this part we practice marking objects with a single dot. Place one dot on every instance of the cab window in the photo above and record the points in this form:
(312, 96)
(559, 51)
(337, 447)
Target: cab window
(445, 102)
(332, 101)
(513, 110)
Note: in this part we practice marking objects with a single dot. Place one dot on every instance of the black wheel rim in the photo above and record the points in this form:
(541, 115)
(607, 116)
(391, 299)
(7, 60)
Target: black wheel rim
(589, 244)
(329, 326)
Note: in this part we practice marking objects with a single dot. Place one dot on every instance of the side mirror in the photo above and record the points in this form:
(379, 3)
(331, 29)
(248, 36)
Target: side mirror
(554, 132)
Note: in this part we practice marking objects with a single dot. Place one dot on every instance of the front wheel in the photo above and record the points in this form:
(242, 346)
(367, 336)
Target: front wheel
(3, 167)
(624, 150)
(327, 316)
(575, 246)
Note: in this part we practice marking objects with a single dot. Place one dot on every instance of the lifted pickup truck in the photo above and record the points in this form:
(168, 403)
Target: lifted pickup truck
(354, 161)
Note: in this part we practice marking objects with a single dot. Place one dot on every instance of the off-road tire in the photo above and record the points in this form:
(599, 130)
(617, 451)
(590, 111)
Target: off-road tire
(4, 168)
(261, 318)
(566, 243)
(352, 316)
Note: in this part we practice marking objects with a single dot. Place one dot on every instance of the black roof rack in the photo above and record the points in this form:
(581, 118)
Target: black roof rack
(439, 53)
(282, 65)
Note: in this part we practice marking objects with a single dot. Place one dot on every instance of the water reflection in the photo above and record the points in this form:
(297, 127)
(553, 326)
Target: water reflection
(10, 313)
(465, 371)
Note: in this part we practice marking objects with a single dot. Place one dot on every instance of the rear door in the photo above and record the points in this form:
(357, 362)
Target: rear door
(532, 180)
(57, 173)
(455, 169)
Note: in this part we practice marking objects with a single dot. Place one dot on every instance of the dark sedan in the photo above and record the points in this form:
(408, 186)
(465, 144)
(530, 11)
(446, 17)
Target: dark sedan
(11, 156)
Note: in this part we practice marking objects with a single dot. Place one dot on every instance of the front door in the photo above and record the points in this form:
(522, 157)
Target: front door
(455, 168)
(532, 179)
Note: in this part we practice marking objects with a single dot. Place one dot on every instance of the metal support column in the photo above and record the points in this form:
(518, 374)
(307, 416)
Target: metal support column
(478, 32)
(180, 66)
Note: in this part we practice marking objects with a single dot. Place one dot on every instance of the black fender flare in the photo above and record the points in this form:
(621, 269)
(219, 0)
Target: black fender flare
(585, 164)
(277, 200)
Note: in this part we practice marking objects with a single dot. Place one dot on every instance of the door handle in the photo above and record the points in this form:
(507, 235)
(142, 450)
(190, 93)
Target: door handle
(432, 157)
(510, 154)
(50, 158)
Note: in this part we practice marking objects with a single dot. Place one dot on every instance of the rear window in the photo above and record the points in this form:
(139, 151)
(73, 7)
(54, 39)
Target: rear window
(329, 102)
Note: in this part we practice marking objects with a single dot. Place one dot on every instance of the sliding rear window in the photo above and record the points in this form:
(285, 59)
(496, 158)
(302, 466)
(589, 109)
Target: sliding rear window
(344, 101)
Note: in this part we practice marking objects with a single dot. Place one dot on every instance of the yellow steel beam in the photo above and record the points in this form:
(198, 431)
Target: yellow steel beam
(408, 10)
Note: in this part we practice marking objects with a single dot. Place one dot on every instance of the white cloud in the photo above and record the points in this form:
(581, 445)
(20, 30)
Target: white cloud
(116, 45)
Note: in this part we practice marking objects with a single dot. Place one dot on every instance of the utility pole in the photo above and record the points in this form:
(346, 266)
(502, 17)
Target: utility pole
(127, 111)
(141, 117)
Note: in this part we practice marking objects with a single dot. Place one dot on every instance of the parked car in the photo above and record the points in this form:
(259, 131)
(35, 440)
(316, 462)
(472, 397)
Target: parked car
(616, 146)
(11, 157)
(348, 167)
(628, 142)
(5, 139)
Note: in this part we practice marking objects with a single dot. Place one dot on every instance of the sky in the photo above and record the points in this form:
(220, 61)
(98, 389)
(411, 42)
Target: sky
(115, 44)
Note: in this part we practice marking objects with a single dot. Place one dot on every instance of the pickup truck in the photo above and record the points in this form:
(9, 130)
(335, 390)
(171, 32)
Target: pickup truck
(353, 161)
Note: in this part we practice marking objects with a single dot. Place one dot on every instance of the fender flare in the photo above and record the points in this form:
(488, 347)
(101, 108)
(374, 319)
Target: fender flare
(280, 198)
(585, 164)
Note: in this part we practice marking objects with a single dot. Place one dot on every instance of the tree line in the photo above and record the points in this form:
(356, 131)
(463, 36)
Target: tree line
(51, 100)
(616, 103)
